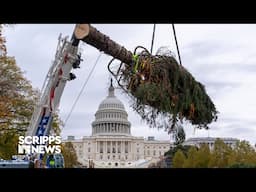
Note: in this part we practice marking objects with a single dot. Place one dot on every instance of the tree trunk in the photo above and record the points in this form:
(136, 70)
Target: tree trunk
(108, 46)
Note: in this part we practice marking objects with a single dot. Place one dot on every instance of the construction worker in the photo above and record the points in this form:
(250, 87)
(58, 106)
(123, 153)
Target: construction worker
(51, 161)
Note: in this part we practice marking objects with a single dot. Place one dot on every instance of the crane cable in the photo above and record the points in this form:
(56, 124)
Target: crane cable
(176, 42)
(81, 91)
(153, 38)
(175, 37)
(174, 33)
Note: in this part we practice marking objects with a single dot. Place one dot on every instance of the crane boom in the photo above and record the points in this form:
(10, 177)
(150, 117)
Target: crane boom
(66, 58)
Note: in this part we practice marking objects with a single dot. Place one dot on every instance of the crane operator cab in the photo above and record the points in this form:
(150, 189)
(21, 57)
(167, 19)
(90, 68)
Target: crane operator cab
(55, 161)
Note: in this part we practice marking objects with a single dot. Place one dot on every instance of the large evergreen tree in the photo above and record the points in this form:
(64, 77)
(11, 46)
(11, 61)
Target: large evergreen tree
(162, 91)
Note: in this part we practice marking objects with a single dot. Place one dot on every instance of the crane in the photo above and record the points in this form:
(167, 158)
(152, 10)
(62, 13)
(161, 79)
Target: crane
(67, 57)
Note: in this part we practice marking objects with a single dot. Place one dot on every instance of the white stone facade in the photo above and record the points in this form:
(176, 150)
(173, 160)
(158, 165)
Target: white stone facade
(111, 144)
(198, 141)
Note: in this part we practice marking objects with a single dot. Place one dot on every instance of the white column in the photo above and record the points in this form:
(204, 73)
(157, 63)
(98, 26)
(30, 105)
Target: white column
(103, 147)
(111, 148)
(132, 152)
(116, 147)
(106, 146)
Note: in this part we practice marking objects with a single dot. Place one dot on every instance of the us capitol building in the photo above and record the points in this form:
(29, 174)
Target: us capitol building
(111, 144)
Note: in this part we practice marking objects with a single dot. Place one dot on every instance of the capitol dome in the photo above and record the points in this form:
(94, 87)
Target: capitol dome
(111, 117)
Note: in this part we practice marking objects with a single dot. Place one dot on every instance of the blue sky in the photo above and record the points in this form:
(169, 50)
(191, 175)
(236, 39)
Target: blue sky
(221, 56)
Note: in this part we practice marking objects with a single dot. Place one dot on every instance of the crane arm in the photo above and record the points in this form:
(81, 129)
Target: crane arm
(66, 58)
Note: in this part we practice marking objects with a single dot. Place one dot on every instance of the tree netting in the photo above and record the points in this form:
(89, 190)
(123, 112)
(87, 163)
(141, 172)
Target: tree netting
(164, 92)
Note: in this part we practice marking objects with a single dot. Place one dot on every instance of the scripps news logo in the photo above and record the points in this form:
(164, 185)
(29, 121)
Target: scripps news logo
(40, 145)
